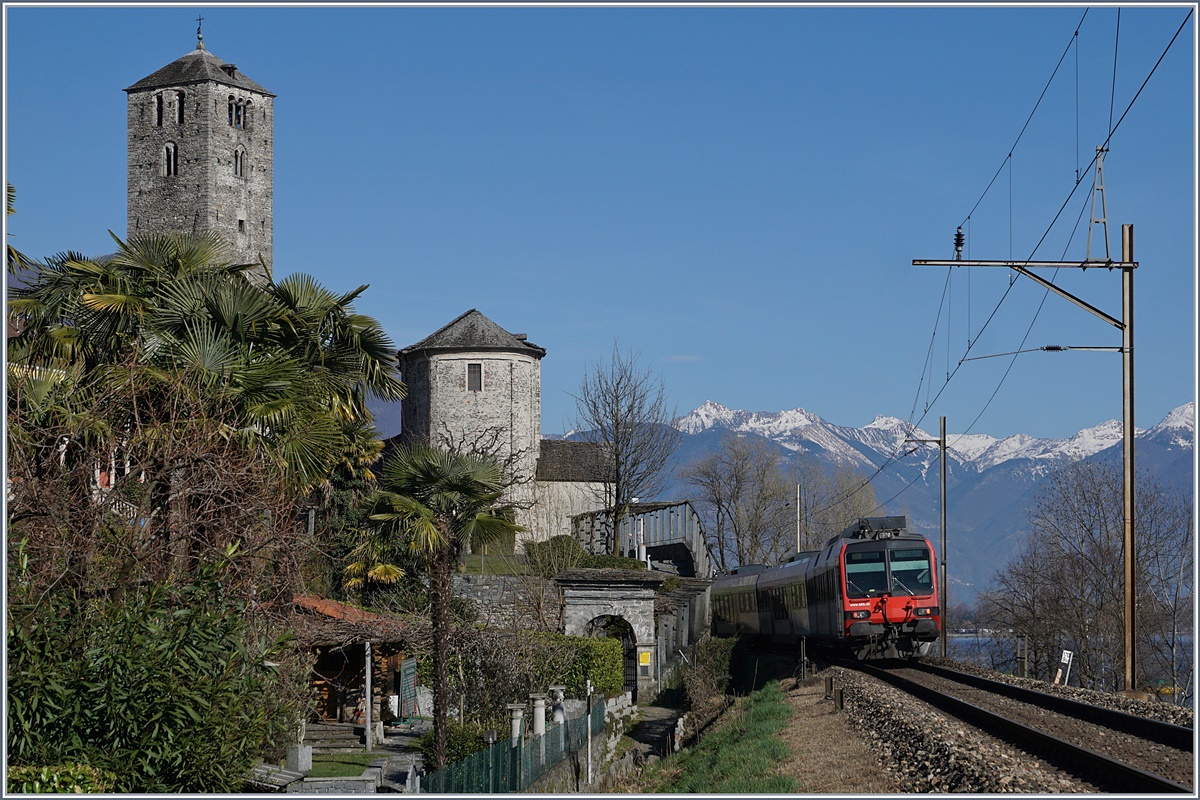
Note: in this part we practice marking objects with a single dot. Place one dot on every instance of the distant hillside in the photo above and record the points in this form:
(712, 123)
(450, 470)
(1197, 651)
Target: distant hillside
(990, 481)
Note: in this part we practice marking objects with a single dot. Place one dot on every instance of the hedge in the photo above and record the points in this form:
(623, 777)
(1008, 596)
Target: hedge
(68, 778)
(599, 660)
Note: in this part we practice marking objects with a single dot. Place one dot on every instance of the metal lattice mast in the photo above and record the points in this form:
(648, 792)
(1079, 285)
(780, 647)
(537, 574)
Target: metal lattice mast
(1098, 190)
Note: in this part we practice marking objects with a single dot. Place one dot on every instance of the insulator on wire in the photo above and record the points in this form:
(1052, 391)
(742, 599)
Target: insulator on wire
(959, 239)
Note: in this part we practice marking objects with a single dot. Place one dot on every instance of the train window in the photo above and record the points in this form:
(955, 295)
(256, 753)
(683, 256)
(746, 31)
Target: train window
(911, 572)
(866, 574)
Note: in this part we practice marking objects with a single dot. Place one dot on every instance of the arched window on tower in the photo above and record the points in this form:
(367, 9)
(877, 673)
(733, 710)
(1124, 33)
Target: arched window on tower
(231, 111)
(158, 109)
(170, 166)
(179, 98)
(239, 115)
(239, 163)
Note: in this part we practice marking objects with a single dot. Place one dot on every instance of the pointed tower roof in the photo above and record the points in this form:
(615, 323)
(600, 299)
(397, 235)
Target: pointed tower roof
(198, 66)
(472, 331)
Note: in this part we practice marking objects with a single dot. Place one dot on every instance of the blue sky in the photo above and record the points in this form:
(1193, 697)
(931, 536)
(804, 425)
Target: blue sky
(737, 194)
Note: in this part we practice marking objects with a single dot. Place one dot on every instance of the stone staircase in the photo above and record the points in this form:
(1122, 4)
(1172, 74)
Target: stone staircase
(334, 737)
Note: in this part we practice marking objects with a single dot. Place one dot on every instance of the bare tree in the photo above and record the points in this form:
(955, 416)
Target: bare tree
(96, 500)
(758, 509)
(829, 500)
(1166, 563)
(1064, 589)
(625, 407)
(747, 499)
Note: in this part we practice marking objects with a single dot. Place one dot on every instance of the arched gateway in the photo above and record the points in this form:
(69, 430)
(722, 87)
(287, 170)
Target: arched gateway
(617, 603)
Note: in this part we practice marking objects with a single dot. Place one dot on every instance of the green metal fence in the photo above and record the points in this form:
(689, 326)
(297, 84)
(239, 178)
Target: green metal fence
(505, 767)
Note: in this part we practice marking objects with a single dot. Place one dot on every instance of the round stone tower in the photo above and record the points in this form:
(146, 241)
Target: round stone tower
(201, 154)
(474, 384)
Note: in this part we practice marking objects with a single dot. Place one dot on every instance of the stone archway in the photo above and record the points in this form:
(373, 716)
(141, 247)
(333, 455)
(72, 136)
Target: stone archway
(610, 626)
(615, 601)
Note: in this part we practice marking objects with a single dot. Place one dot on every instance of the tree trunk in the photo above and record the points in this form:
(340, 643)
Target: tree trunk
(439, 579)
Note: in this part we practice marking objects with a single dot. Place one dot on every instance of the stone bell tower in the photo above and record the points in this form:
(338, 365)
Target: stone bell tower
(201, 154)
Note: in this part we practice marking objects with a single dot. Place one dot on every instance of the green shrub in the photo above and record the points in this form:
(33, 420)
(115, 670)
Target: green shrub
(69, 779)
(168, 688)
(463, 739)
(552, 556)
(562, 552)
(602, 661)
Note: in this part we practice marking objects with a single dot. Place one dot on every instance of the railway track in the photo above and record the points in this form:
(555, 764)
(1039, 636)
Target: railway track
(1096, 745)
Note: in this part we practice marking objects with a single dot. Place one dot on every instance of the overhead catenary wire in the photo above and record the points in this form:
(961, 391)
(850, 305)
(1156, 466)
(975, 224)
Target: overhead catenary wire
(974, 340)
(1054, 221)
(1113, 94)
(1077, 106)
(1033, 111)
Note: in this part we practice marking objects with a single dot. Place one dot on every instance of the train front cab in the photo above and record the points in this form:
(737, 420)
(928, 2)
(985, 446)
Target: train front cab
(889, 594)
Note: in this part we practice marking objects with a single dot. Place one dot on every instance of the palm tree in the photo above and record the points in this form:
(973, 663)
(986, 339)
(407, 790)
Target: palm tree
(283, 370)
(439, 502)
(16, 261)
(291, 360)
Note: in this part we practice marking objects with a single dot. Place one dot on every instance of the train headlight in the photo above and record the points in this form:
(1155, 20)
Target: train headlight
(862, 614)
(924, 612)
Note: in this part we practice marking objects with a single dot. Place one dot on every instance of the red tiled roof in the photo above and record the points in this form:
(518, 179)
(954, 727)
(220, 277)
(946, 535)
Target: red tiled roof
(336, 610)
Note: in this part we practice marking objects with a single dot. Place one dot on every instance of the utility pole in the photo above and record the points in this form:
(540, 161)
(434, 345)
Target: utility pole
(797, 518)
(1127, 265)
(943, 589)
(1127, 446)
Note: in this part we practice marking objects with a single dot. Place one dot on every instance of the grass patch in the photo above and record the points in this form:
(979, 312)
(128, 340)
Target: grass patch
(740, 757)
(478, 564)
(340, 765)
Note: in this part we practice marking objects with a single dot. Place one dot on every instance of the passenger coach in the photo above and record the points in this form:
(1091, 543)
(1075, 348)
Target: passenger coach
(871, 592)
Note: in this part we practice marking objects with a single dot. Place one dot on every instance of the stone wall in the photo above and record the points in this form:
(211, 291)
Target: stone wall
(512, 601)
(635, 604)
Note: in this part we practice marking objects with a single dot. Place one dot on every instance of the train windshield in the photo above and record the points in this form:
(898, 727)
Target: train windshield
(866, 574)
(911, 573)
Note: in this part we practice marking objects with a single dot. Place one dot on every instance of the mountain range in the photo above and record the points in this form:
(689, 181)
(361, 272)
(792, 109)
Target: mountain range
(990, 482)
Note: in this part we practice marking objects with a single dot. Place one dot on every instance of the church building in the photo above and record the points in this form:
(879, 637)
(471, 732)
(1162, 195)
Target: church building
(201, 154)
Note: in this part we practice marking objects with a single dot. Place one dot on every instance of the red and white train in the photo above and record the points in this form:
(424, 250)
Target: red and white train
(870, 593)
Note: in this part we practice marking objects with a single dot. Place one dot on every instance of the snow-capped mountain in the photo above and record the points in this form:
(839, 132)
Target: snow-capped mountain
(990, 481)
(802, 431)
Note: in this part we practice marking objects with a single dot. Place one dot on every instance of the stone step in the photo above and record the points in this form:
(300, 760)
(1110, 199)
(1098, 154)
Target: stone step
(333, 734)
(334, 737)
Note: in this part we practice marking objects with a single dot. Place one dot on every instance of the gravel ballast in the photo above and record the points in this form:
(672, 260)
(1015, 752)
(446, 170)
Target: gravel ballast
(927, 752)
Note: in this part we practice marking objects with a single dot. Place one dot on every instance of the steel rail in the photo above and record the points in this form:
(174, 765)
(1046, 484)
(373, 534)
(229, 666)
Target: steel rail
(1177, 736)
(1088, 765)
